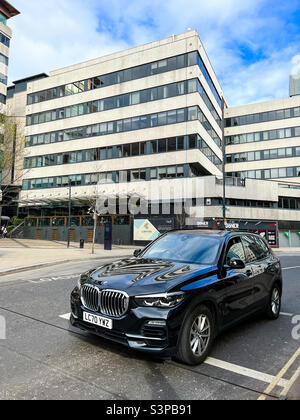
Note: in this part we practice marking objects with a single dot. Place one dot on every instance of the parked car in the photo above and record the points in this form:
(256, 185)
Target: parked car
(173, 297)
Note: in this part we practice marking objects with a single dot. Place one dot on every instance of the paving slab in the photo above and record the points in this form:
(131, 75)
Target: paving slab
(294, 391)
(25, 254)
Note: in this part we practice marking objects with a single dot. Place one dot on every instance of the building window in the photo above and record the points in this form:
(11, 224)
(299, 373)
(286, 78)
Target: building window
(193, 113)
(3, 59)
(3, 79)
(262, 117)
(4, 40)
(129, 124)
(133, 98)
(3, 18)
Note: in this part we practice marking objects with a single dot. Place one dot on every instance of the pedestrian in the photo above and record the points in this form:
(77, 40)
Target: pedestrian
(4, 231)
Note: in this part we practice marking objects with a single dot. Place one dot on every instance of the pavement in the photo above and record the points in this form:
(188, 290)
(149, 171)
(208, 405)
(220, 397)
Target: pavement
(286, 250)
(27, 254)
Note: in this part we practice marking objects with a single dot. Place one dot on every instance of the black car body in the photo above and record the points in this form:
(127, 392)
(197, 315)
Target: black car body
(168, 303)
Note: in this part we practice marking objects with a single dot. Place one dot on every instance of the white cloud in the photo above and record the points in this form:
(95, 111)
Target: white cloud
(52, 34)
(49, 35)
(296, 64)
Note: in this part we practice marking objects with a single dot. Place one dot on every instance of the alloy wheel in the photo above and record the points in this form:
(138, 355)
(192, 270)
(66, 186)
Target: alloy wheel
(275, 303)
(200, 335)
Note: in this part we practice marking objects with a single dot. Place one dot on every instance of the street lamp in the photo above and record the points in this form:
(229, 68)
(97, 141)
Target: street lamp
(223, 162)
(92, 211)
(69, 218)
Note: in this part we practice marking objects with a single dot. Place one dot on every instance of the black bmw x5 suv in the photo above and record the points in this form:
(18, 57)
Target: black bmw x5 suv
(174, 296)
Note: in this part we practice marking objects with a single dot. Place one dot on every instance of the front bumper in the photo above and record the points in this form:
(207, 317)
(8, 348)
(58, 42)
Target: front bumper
(133, 329)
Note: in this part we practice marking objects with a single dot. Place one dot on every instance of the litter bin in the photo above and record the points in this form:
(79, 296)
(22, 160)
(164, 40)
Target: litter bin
(81, 243)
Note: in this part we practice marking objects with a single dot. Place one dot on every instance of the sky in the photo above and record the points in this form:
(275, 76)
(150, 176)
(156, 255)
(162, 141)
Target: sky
(253, 45)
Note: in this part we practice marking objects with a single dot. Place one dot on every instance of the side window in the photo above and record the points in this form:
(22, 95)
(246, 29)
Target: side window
(262, 246)
(235, 250)
(252, 251)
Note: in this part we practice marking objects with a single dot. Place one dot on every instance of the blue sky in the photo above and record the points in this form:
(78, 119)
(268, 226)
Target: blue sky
(254, 45)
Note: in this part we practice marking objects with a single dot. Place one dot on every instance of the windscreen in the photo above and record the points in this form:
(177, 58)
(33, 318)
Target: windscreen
(184, 247)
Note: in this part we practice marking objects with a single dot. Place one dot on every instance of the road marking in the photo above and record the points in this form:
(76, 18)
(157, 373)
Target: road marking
(264, 377)
(56, 278)
(290, 268)
(290, 384)
(286, 314)
(65, 316)
(280, 375)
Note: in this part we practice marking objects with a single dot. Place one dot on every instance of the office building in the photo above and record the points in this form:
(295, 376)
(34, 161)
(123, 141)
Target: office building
(7, 11)
(149, 114)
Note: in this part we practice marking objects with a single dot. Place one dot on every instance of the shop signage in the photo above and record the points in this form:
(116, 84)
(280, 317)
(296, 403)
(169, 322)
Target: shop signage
(232, 225)
(144, 230)
(202, 223)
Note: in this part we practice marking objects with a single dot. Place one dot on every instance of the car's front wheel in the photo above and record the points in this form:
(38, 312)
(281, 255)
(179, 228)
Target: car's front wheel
(196, 337)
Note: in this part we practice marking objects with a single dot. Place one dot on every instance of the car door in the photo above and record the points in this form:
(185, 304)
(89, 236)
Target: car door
(256, 256)
(237, 283)
(266, 269)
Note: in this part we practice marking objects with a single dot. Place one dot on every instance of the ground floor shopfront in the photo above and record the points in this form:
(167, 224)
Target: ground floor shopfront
(139, 230)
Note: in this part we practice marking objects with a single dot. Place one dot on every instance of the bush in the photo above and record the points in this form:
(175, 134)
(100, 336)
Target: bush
(10, 228)
(17, 221)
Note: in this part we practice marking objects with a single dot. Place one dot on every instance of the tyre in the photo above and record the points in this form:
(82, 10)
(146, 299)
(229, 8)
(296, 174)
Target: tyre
(274, 304)
(196, 336)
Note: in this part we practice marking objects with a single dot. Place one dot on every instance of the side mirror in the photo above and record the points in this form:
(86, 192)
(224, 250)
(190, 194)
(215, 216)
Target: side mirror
(137, 252)
(236, 263)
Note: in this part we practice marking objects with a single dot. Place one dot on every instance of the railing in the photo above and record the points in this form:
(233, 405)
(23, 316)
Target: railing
(16, 231)
(76, 221)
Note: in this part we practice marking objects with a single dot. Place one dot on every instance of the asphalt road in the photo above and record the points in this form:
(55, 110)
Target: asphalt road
(41, 358)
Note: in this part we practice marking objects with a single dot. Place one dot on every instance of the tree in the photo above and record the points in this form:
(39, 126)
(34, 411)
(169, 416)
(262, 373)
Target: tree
(92, 211)
(12, 143)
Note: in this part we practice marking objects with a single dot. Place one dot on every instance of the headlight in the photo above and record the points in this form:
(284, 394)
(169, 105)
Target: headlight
(83, 278)
(163, 300)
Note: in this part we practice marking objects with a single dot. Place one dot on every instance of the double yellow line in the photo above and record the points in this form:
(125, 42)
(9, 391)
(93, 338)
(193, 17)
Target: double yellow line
(280, 375)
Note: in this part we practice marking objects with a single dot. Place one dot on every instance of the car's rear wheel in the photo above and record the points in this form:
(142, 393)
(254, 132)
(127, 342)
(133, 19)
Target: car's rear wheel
(196, 337)
(274, 304)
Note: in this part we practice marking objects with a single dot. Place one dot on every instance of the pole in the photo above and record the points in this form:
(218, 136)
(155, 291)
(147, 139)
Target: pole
(223, 162)
(69, 218)
(94, 233)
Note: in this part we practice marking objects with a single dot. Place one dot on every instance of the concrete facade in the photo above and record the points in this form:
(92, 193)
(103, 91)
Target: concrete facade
(274, 134)
(165, 92)
(295, 84)
(7, 11)
(155, 52)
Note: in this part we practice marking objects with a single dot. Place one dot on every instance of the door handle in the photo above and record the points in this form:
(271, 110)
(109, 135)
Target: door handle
(249, 273)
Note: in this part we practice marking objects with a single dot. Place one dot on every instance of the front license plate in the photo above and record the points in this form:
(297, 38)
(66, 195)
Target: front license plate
(100, 321)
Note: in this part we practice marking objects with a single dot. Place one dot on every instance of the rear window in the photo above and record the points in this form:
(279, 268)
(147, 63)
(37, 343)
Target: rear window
(262, 246)
(255, 248)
